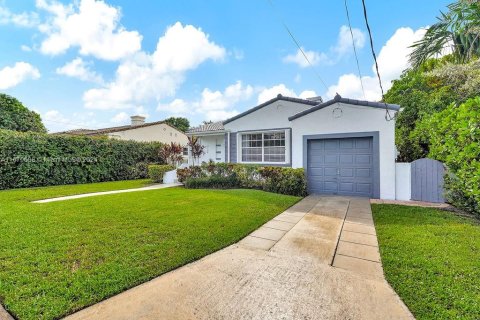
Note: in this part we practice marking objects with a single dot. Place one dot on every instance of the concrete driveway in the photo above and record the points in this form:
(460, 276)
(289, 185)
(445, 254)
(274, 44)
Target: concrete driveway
(317, 260)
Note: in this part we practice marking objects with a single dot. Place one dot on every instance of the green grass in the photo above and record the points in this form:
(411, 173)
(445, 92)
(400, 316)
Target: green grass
(56, 258)
(432, 260)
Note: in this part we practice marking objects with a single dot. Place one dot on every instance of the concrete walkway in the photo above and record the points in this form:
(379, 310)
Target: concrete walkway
(94, 194)
(317, 260)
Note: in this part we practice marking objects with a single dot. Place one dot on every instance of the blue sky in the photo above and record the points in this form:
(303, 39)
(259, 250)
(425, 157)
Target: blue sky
(90, 63)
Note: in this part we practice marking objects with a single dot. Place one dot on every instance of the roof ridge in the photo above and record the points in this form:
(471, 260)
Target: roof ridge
(266, 103)
(338, 98)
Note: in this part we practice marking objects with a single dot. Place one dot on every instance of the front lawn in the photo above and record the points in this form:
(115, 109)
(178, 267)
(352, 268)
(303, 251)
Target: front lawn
(432, 260)
(59, 257)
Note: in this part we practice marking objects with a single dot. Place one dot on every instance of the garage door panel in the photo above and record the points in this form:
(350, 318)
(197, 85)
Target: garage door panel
(346, 187)
(317, 145)
(363, 144)
(331, 158)
(314, 160)
(347, 144)
(316, 171)
(346, 172)
(364, 187)
(341, 166)
(363, 159)
(331, 144)
(330, 171)
(363, 173)
(330, 186)
(346, 158)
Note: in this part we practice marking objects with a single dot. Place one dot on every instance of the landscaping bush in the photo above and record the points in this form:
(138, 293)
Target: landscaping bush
(36, 159)
(156, 171)
(227, 175)
(455, 140)
(212, 182)
(284, 180)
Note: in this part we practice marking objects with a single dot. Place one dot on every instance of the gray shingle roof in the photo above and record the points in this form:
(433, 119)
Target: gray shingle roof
(209, 127)
(338, 98)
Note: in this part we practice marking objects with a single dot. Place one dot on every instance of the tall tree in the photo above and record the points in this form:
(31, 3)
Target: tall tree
(180, 123)
(15, 116)
(457, 30)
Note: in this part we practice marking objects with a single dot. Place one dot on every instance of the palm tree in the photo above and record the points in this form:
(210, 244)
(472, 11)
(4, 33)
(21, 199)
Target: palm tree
(458, 31)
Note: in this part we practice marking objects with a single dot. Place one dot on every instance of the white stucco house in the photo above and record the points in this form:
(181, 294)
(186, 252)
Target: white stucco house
(346, 146)
(137, 130)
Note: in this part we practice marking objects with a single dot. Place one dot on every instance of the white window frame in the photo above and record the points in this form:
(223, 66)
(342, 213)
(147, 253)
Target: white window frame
(287, 146)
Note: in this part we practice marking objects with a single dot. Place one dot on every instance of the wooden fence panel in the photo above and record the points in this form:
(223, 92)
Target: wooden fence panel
(427, 180)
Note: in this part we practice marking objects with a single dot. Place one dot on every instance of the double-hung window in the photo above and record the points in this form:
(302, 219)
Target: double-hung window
(268, 147)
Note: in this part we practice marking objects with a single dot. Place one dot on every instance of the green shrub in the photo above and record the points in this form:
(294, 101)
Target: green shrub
(249, 176)
(284, 180)
(455, 140)
(212, 182)
(15, 116)
(36, 159)
(227, 175)
(156, 171)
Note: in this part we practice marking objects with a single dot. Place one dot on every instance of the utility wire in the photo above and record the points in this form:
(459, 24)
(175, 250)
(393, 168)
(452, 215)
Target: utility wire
(355, 50)
(388, 117)
(297, 44)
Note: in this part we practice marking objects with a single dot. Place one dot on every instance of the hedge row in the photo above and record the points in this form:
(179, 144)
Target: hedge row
(35, 159)
(226, 175)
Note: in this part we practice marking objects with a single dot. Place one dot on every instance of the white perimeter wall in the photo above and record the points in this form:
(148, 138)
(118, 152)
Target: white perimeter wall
(350, 119)
(403, 181)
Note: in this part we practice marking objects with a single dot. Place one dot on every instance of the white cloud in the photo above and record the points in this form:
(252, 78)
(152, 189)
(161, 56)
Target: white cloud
(212, 105)
(307, 94)
(183, 48)
(21, 71)
(92, 26)
(394, 55)
(270, 93)
(392, 60)
(341, 48)
(121, 117)
(24, 19)
(344, 42)
(25, 48)
(78, 68)
(176, 107)
(56, 121)
(237, 54)
(298, 58)
(146, 77)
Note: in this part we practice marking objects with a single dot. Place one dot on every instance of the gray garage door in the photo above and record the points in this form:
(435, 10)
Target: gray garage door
(341, 166)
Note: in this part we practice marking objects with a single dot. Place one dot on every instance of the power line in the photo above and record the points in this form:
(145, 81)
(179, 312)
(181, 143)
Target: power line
(297, 44)
(388, 117)
(355, 49)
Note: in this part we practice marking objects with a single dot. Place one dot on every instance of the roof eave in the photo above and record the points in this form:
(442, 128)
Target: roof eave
(202, 133)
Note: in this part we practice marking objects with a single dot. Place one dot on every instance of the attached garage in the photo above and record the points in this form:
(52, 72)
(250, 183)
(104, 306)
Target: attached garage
(342, 164)
(345, 146)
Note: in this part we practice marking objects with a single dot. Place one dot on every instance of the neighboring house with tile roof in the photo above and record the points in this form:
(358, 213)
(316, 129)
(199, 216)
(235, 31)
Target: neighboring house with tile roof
(137, 130)
(345, 146)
